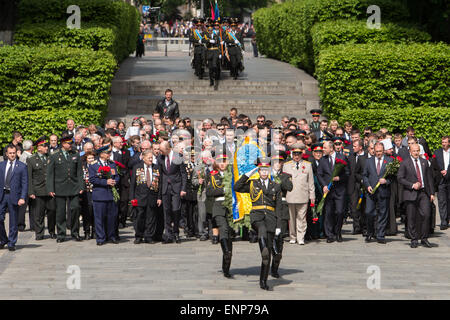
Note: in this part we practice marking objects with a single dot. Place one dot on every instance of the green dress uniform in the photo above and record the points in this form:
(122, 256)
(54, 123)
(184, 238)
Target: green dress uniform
(265, 217)
(215, 190)
(65, 179)
(43, 204)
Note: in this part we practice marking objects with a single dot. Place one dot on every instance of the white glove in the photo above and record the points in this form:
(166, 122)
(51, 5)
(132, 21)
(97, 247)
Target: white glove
(220, 56)
(212, 41)
(277, 231)
(251, 172)
(235, 41)
(200, 41)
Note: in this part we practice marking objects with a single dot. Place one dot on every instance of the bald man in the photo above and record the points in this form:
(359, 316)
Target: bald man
(173, 183)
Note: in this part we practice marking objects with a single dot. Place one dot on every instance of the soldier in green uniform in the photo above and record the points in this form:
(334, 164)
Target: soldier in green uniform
(65, 184)
(213, 56)
(216, 190)
(315, 124)
(265, 215)
(41, 203)
(285, 181)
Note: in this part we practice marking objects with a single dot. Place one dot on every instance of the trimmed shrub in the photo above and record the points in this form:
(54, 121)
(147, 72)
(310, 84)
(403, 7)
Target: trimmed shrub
(119, 16)
(33, 124)
(288, 25)
(55, 78)
(325, 34)
(431, 124)
(383, 75)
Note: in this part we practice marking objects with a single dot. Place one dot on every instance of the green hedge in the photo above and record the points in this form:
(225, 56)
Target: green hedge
(33, 124)
(383, 75)
(431, 124)
(119, 16)
(284, 31)
(33, 78)
(325, 34)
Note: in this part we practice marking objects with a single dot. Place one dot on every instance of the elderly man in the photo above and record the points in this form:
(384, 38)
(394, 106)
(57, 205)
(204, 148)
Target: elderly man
(70, 128)
(302, 193)
(53, 139)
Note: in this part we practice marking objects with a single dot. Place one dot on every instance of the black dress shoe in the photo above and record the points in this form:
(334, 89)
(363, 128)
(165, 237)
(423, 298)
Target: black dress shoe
(151, 241)
(167, 241)
(12, 248)
(21, 228)
(2, 245)
(368, 239)
(426, 243)
(339, 238)
(215, 240)
(87, 236)
(100, 243)
(263, 285)
(59, 240)
(381, 241)
(414, 244)
(275, 274)
(115, 241)
(330, 240)
(77, 238)
(138, 241)
(52, 235)
(443, 227)
(38, 238)
(177, 239)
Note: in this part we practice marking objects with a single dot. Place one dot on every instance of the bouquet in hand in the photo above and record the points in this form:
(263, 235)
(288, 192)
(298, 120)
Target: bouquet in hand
(338, 166)
(391, 170)
(119, 166)
(105, 173)
(315, 218)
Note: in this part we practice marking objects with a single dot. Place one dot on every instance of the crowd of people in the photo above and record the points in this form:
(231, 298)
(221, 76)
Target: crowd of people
(168, 173)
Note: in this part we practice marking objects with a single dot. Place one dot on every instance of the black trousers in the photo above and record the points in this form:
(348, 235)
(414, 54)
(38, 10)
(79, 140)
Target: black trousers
(41, 207)
(172, 212)
(145, 224)
(444, 203)
(22, 213)
(418, 215)
(334, 215)
(235, 58)
(187, 212)
(87, 212)
(213, 64)
(199, 59)
(357, 214)
(371, 213)
(123, 204)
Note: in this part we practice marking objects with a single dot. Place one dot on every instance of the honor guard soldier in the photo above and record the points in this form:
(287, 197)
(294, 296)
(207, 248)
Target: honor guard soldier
(265, 215)
(41, 203)
(65, 184)
(235, 45)
(285, 181)
(315, 124)
(198, 41)
(213, 56)
(216, 190)
(105, 207)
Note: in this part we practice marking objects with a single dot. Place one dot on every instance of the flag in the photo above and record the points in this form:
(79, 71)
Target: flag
(216, 12)
(212, 11)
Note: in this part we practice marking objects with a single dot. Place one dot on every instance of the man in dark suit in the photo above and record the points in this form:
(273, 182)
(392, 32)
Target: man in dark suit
(41, 203)
(355, 183)
(137, 157)
(410, 132)
(168, 107)
(335, 200)
(13, 192)
(70, 128)
(65, 183)
(146, 191)
(418, 193)
(173, 183)
(372, 175)
(105, 208)
(441, 168)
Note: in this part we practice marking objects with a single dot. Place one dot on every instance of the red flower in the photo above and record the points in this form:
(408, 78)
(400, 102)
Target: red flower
(214, 172)
(100, 169)
(123, 152)
(134, 203)
(340, 161)
(384, 161)
(346, 142)
(120, 165)
(305, 156)
(399, 159)
(311, 205)
(434, 156)
(106, 169)
(426, 156)
(288, 152)
(303, 167)
(315, 220)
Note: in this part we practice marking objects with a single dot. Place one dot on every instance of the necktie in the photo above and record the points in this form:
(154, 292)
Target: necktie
(148, 178)
(378, 166)
(8, 176)
(297, 165)
(65, 154)
(168, 163)
(419, 178)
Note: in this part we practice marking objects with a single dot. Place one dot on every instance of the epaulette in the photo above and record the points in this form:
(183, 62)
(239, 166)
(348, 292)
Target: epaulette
(288, 161)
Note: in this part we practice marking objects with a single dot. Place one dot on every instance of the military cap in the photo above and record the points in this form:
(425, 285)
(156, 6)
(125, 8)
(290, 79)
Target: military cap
(222, 157)
(337, 139)
(263, 162)
(298, 147)
(317, 147)
(66, 138)
(279, 155)
(41, 140)
(316, 112)
(104, 148)
(301, 133)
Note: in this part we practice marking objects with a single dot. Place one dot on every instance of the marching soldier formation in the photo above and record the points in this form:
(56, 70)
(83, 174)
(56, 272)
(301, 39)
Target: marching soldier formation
(216, 46)
(311, 179)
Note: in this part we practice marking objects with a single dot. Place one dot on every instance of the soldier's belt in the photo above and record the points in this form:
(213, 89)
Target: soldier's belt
(220, 199)
(263, 207)
(213, 48)
(283, 199)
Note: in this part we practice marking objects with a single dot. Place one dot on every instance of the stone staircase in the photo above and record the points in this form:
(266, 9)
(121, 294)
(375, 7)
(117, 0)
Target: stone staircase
(283, 90)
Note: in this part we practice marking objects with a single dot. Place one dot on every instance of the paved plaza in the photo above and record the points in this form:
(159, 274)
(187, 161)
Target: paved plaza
(192, 270)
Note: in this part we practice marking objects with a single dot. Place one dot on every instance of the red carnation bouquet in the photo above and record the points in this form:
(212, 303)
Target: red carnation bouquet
(120, 166)
(134, 202)
(338, 166)
(105, 173)
(391, 170)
